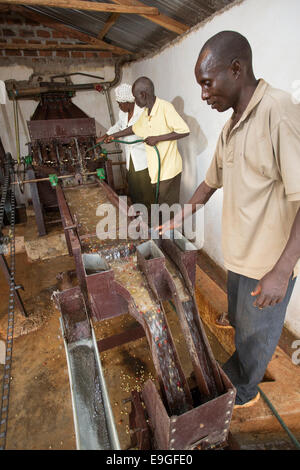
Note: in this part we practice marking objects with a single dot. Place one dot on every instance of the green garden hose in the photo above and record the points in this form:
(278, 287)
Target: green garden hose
(135, 142)
(289, 433)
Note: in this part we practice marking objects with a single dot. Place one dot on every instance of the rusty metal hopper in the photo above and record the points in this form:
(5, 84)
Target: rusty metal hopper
(176, 416)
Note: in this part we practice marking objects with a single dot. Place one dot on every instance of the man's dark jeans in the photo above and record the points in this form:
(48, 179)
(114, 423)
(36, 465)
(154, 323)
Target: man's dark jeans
(257, 333)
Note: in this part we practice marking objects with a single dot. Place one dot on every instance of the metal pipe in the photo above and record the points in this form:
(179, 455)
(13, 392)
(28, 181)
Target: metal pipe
(112, 120)
(79, 156)
(109, 106)
(25, 92)
(38, 180)
(75, 73)
(16, 94)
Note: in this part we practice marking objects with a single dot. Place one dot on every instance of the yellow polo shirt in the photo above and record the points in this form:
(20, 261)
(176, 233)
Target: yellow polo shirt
(258, 165)
(163, 119)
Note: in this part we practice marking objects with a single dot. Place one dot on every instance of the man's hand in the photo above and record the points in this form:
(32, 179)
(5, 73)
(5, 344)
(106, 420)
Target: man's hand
(105, 138)
(101, 138)
(108, 139)
(270, 290)
(152, 140)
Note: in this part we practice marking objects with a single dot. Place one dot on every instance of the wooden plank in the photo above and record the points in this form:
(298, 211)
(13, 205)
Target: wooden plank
(88, 6)
(51, 23)
(110, 22)
(51, 47)
(132, 334)
(161, 19)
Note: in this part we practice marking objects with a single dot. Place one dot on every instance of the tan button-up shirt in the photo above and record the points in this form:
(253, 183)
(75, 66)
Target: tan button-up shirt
(258, 165)
(163, 119)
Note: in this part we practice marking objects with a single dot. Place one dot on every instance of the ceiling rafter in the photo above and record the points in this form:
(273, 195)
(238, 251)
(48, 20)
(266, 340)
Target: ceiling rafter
(161, 19)
(51, 47)
(88, 6)
(97, 39)
(51, 23)
(109, 23)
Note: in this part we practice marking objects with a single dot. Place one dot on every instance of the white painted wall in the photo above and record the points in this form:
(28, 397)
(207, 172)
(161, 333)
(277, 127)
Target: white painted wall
(272, 28)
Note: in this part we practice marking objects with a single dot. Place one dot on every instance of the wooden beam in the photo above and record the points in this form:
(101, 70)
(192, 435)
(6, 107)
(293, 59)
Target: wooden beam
(110, 22)
(51, 47)
(162, 20)
(51, 23)
(88, 6)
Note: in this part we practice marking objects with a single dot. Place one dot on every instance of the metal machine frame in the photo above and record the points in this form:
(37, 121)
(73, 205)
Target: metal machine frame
(172, 418)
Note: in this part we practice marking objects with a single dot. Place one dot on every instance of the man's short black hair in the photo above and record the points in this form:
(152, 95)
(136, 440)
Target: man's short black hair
(227, 46)
(144, 84)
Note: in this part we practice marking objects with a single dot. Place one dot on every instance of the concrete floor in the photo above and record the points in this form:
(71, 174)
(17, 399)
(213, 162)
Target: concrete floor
(40, 411)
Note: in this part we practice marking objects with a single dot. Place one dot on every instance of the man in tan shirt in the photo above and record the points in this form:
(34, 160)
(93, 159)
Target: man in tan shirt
(257, 162)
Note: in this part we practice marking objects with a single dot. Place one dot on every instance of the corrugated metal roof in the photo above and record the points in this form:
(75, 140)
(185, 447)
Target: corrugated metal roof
(87, 22)
(189, 12)
(138, 34)
(133, 32)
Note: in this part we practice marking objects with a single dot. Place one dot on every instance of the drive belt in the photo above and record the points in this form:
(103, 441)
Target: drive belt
(10, 328)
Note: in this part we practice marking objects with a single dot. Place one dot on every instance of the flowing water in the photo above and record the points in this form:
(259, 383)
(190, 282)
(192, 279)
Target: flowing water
(127, 273)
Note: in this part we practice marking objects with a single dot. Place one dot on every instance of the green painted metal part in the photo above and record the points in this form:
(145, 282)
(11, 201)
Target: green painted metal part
(28, 160)
(53, 180)
(100, 173)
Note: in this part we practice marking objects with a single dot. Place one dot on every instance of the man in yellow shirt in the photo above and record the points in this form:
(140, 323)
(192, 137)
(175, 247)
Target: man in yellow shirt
(159, 125)
(257, 163)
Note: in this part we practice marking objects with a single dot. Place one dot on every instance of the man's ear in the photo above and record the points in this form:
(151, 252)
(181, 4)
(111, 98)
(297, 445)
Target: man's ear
(236, 68)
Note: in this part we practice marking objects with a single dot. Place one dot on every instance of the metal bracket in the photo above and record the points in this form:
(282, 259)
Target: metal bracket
(70, 227)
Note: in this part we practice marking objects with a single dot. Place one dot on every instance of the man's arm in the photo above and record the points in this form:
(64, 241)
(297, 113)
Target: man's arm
(117, 135)
(154, 140)
(200, 197)
(272, 288)
(101, 138)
